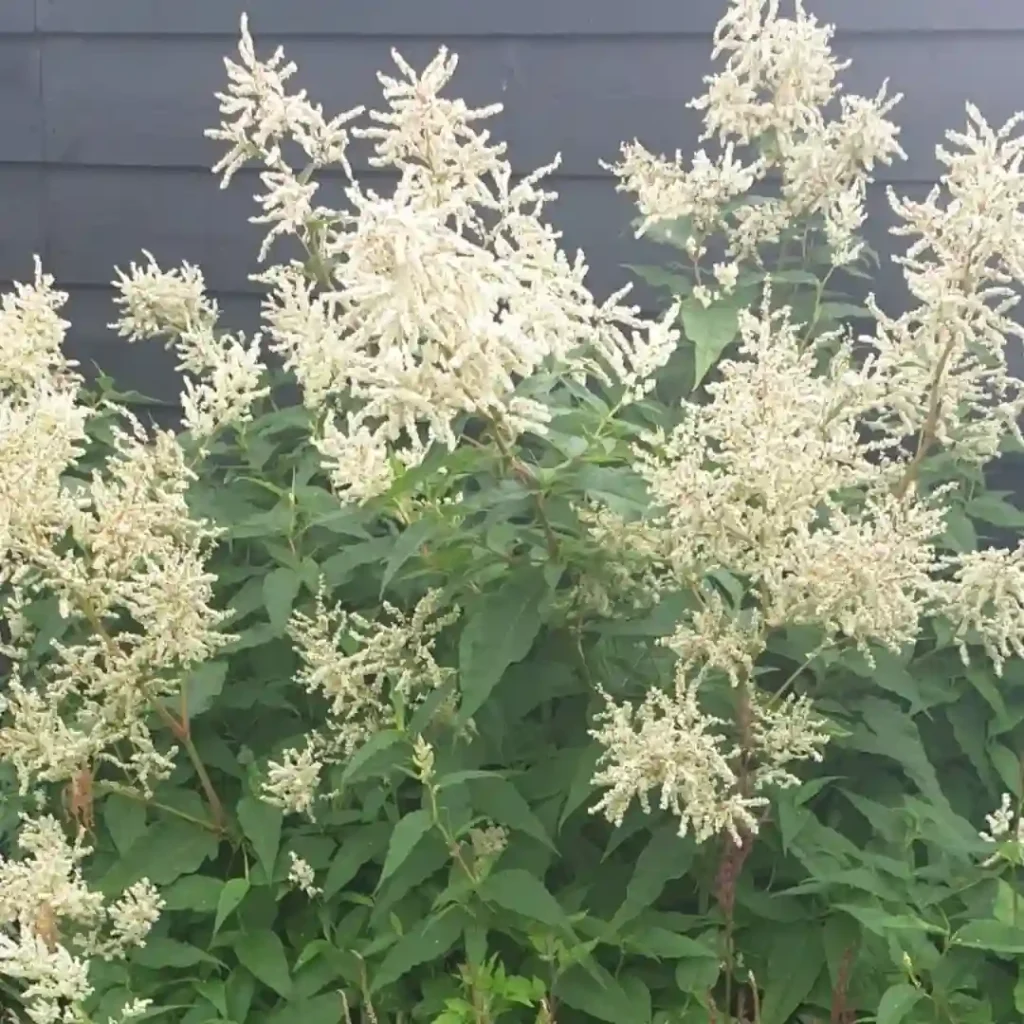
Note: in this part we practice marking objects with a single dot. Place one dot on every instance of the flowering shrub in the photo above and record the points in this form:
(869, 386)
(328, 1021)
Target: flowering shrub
(483, 651)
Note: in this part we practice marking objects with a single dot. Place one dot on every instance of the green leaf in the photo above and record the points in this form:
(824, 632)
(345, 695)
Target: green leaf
(364, 761)
(894, 734)
(711, 330)
(657, 277)
(661, 943)
(327, 1008)
(262, 954)
(161, 952)
(960, 534)
(697, 976)
(202, 685)
(214, 992)
(582, 784)
(407, 833)
(338, 568)
(459, 777)
(234, 891)
(796, 960)
(1008, 765)
(1005, 940)
(280, 588)
(843, 311)
(665, 858)
(239, 990)
(897, 1002)
(883, 923)
(500, 801)
(990, 508)
(410, 540)
(261, 824)
(125, 820)
(500, 631)
(606, 1000)
(522, 893)
(168, 849)
(354, 852)
(429, 941)
(194, 892)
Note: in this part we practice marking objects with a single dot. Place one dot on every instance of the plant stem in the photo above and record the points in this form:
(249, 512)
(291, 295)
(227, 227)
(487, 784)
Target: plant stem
(795, 674)
(926, 436)
(130, 794)
(525, 474)
(182, 732)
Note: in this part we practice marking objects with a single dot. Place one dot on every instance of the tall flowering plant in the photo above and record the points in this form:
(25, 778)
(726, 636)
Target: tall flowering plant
(440, 668)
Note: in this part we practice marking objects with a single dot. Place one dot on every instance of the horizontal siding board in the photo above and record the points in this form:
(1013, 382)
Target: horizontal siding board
(98, 218)
(22, 233)
(582, 97)
(102, 217)
(160, 120)
(17, 16)
(525, 17)
(21, 102)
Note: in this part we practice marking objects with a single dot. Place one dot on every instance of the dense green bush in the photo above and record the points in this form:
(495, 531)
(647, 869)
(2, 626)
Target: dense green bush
(482, 652)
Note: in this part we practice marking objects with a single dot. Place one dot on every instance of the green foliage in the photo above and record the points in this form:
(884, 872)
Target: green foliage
(458, 874)
(864, 893)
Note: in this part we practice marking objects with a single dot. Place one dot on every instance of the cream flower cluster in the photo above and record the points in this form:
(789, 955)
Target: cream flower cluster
(1003, 832)
(799, 476)
(778, 76)
(364, 669)
(433, 302)
(42, 426)
(224, 371)
(130, 556)
(114, 548)
(942, 366)
(51, 923)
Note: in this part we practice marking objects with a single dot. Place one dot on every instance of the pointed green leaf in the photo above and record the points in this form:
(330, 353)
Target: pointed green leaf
(262, 954)
(261, 824)
(582, 784)
(194, 892)
(897, 1002)
(355, 851)
(500, 631)
(500, 801)
(665, 858)
(1004, 940)
(161, 952)
(797, 959)
(202, 685)
(429, 941)
(168, 849)
(410, 540)
(407, 833)
(280, 588)
(125, 820)
(231, 896)
(711, 329)
(606, 1000)
(370, 756)
(518, 891)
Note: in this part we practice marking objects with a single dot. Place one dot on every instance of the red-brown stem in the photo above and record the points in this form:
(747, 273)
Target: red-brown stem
(181, 730)
(841, 1011)
(926, 436)
(736, 849)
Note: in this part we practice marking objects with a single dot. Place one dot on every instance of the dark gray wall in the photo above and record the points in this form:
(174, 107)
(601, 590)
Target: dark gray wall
(103, 105)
